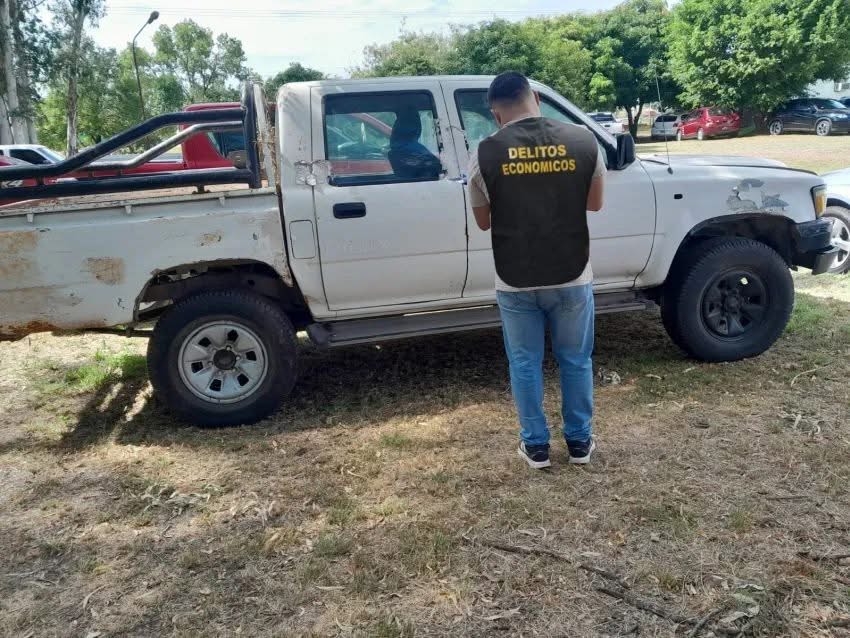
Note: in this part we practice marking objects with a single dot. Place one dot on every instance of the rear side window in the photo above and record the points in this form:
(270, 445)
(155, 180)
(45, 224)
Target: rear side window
(380, 138)
(28, 156)
(666, 118)
(226, 142)
(719, 112)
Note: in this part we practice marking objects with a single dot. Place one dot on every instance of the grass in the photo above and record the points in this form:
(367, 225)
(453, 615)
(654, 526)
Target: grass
(359, 508)
(810, 152)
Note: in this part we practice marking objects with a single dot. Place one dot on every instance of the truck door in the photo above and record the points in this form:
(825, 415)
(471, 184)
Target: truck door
(389, 203)
(621, 233)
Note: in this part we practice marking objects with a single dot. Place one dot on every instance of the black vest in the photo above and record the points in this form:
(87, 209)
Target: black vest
(538, 173)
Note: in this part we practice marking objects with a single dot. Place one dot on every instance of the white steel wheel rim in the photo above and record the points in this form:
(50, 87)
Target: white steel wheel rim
(822, 128)
(776, 128)
(841, 240)
(700, 135)
(222, 362)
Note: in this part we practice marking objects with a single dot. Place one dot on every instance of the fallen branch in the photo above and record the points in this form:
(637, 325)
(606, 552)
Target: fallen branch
(646, 605)
(797, 497)
(704, 621)
(823, 557)
(524, 549)
(794, 380)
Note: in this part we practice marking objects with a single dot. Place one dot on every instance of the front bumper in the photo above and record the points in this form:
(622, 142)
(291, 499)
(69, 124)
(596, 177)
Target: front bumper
(813, 245)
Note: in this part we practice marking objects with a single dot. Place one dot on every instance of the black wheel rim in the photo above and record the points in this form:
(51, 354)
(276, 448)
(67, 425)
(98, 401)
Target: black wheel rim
(734, 304)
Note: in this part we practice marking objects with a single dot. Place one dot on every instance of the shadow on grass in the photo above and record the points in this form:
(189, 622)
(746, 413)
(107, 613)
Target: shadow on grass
(366, 385)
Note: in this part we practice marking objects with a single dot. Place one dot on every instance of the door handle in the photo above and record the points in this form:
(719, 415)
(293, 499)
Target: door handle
(460, 180)
(349, 210)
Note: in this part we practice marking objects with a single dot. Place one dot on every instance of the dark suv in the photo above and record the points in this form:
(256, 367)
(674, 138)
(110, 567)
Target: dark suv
(821, 115)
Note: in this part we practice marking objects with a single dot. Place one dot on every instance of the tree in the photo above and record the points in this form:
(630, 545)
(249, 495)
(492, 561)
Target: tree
(72, 16)
(629, 55)
(295, 72)
(205, 66)
(564, 63)
(494, 47)
(409, 54)
(754, 54)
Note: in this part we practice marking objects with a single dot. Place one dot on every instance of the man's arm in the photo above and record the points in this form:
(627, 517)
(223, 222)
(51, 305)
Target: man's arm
(482, 216)
(596, 194)
(478, 198)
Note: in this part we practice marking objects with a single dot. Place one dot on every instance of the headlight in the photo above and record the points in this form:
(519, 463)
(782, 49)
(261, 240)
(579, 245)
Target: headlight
(819, 199)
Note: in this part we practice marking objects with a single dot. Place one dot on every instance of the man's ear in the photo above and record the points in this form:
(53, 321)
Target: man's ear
(537, 97)
(497, 117)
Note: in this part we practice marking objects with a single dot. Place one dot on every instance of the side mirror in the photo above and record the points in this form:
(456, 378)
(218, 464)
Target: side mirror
(238, 158)
(625, 153)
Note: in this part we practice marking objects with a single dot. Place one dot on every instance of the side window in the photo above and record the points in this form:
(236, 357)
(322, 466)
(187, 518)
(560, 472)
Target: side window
(379, 138)
(28, 156)
(552, 111)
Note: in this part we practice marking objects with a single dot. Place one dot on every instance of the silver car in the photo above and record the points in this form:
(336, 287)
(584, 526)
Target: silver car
(838, 209)
(665, 126)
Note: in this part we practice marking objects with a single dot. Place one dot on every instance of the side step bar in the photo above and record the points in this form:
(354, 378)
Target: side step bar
(355, 331)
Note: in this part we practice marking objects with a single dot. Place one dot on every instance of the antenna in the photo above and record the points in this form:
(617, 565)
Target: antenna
(666, 143)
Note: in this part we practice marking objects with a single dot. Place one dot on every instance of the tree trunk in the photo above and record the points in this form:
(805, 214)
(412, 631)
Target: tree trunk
(73, 74)
(5, 129)
(18, 128)
(633, 127)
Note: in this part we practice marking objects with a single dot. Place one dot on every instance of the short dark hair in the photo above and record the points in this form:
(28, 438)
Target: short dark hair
(509, 87)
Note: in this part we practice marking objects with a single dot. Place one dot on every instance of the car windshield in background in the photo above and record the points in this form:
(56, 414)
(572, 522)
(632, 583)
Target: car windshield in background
(822, 104)
(719, 112)
(603, 117)
(666, 118)
(53, 155)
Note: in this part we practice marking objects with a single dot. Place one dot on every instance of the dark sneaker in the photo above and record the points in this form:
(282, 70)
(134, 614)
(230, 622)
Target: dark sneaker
(580, 451)
(537, 456)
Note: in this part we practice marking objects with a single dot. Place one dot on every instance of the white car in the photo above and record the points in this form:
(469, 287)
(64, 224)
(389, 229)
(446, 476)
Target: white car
(608, 122)
(665, 126)
(32, 153)
(358, 240)
(838, 210)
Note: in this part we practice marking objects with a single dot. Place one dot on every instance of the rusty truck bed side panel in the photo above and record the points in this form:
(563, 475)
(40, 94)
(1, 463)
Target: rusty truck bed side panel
(85, 267)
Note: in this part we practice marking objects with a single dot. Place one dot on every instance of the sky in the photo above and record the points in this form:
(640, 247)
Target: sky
(328, 35)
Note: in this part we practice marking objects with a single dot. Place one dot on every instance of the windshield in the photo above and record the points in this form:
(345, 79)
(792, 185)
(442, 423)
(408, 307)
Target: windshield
(821, 104)
(603, 117)
(53, 156)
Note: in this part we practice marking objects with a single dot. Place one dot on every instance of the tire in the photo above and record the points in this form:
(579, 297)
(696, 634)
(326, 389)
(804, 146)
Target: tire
(776, 127)
(679, 136)
(823, 128)
(841, 231)
(227, 321)
(729, 299)
(700, 135)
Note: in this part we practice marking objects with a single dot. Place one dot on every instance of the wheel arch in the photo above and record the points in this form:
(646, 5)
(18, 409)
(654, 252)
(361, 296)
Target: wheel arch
(168, 285)
(831, 200)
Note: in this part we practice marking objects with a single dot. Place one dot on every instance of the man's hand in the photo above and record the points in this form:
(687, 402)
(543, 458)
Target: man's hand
(482, 216)
(595, 197)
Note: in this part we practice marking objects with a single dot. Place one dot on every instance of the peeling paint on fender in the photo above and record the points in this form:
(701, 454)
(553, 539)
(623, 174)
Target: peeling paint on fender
(108, 270)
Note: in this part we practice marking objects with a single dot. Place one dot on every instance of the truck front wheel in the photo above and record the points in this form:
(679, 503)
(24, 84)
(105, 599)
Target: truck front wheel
(223, 358)
(729, 299)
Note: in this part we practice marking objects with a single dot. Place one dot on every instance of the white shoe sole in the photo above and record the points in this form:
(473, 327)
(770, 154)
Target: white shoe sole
(535, 465)
(583, 460)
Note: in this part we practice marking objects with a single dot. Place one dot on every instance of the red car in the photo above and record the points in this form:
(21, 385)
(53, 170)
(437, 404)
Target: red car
(11, 161)
(706, 122)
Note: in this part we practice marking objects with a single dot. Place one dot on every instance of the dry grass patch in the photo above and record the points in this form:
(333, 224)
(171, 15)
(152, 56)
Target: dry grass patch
(357, 510)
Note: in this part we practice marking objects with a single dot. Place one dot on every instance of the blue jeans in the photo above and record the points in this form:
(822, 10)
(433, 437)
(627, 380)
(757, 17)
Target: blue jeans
(569, 314)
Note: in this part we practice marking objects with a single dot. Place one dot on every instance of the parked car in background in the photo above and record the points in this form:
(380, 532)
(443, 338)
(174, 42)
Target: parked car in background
(5, 160)
(812, 114)
(666, 126)
(845, 101)
(608, 122)
(838, 209)
(30, 153)
(706, 122)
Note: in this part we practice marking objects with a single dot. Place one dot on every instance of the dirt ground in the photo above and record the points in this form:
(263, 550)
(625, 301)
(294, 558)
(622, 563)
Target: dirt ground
(376, 502)
(819, 154)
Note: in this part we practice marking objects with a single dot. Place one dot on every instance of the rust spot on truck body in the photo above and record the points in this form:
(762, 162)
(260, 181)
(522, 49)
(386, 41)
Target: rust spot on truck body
(13, 333)
(16, 253)
(209, 238)
(107, 270)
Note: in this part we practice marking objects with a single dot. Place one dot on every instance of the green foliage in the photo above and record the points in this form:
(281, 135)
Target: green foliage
(757, 53)
(295, 72)
(204, 66)
(409, 54)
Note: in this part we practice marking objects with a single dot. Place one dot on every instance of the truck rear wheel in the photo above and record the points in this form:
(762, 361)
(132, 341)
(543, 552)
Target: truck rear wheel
(223, 358)
(730, 299)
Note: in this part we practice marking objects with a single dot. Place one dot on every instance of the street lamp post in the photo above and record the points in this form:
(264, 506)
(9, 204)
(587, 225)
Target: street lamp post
(153, 16)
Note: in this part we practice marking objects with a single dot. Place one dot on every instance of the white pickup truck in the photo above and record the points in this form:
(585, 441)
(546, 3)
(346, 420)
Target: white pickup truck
(354, 243)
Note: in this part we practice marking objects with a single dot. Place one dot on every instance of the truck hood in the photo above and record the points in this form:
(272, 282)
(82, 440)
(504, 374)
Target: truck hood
(713, 160)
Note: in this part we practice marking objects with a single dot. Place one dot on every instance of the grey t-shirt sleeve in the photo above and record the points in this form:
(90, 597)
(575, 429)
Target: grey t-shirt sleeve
(600, 169)
(477, 188)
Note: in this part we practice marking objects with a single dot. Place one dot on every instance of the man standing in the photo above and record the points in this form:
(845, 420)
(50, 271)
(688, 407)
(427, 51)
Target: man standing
(532, 183)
